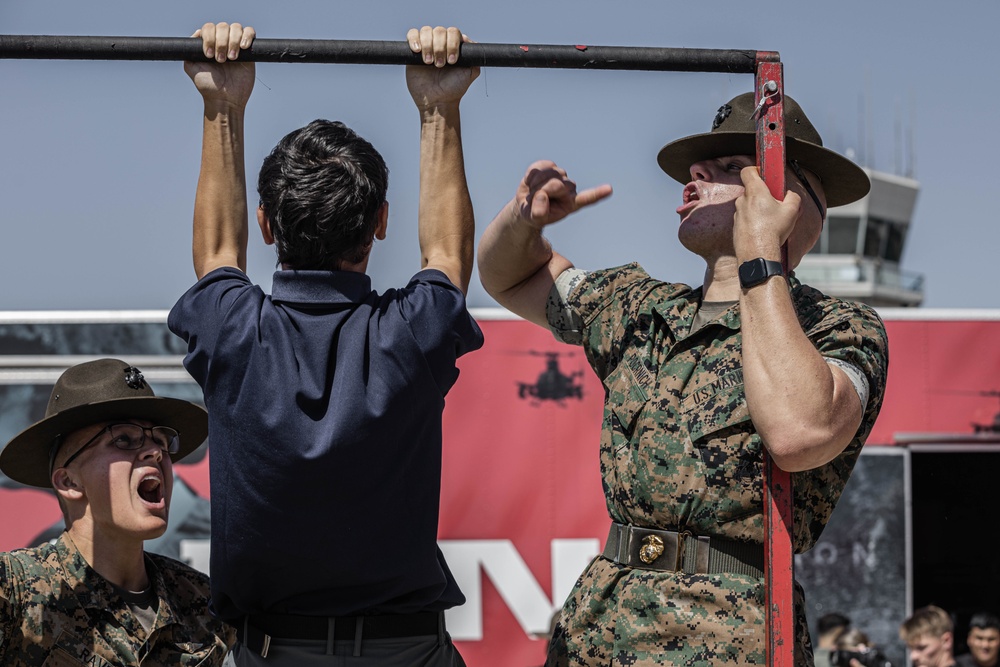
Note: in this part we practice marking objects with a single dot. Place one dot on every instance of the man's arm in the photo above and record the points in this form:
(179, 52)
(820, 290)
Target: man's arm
(517, 265)
(220, 206)
(447, 224)
(10, 609)
(805, 410)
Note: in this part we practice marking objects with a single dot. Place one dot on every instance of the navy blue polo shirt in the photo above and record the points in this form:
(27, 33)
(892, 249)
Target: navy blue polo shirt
(325, 403)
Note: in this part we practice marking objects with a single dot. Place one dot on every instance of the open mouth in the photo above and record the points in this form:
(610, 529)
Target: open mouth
(151, 489)
(690, 193)
(690, 199)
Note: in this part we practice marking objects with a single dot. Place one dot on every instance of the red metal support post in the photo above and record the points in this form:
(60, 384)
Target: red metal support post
(778, 553)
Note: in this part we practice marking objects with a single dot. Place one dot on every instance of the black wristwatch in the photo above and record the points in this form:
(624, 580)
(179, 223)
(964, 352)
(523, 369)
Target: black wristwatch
(756, 271)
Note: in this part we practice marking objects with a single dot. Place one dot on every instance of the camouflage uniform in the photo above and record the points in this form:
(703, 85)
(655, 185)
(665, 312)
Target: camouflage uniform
(679, 452)
(56, 611)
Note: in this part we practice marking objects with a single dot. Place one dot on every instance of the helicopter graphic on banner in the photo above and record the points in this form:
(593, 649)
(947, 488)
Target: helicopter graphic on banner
(552, 383)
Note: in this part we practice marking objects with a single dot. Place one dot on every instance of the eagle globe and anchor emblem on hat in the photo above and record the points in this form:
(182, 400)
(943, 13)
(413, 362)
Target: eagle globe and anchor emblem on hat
(721, 115)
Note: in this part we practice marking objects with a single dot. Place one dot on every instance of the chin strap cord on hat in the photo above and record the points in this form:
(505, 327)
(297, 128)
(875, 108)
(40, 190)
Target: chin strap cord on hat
(53, 450)
(799, 174)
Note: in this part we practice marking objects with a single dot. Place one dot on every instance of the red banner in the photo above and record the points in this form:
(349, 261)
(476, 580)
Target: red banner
(944, 377)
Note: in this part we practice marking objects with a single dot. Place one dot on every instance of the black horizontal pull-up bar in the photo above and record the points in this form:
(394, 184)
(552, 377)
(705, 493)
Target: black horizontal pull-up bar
(58, 47)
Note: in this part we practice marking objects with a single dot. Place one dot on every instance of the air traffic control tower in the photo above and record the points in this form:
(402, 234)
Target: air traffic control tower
(859, 252)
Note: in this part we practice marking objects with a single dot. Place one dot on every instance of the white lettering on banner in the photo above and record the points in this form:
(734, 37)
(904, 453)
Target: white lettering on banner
(500, 560)
(513, 580)
(196, 553)
(864, 555)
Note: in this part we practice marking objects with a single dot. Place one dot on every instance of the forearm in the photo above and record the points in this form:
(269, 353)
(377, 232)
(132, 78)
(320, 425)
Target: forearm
(805, 411)
(447, 224)
(517, 265)
(220, 210)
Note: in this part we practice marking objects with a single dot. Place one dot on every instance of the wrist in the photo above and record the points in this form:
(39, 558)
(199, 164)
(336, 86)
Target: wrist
(517, 219)
(220, 106)
(436, 110)
(765, 249)
(751, 244)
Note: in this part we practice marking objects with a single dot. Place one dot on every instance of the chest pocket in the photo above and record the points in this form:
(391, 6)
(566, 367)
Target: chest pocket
(195, 655)
(626, 400)
(71, 651)
(627, 395)
(181, 649)
(720, 407)
(722, 434)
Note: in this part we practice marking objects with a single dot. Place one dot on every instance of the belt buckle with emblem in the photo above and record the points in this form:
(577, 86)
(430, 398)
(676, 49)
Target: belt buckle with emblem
(652, 548)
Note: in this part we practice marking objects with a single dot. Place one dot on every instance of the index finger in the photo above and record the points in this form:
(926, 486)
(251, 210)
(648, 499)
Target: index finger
(593, 195)
(241, 39)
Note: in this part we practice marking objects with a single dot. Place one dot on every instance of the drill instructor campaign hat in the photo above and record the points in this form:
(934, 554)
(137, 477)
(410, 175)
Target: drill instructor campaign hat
(90, 393)
(734, 133)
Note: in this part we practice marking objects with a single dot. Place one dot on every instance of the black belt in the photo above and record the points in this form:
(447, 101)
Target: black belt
(257, 630)
(651, 549)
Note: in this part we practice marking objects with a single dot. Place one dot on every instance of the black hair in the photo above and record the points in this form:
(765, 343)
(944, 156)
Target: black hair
(984, 620)
(832, 621)
(321, 189)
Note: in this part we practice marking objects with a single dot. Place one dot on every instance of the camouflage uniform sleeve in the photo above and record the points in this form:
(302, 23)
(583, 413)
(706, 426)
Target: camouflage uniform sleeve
(857, 337)
(607, 302)
(9, 605)
(564, 322)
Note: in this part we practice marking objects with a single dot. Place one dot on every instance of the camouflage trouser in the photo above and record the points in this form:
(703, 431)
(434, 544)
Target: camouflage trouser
(637, 618)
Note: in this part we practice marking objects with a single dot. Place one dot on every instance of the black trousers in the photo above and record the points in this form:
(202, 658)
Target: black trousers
(401, 652)
(425, 650)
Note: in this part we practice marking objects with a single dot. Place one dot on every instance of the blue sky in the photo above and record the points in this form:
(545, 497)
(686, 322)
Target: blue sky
(101, 158)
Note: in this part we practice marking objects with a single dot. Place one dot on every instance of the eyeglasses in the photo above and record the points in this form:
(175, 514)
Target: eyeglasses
(131, 437)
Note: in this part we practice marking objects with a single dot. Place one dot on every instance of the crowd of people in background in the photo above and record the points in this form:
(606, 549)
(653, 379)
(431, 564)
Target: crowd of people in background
(929, 635)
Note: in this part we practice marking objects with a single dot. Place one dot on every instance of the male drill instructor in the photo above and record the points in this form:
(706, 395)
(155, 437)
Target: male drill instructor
(94, 597)
(697, 381)
(325, 396)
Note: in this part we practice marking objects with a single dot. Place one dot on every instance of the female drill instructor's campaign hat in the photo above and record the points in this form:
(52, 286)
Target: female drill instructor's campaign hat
(734, 133)
(90, 393)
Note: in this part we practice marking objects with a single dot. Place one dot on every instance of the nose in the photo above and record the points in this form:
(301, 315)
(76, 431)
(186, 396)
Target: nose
(150, 448)
(701, 171)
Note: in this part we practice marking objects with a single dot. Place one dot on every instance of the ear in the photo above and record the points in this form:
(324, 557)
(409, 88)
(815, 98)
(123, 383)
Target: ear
(265, 226)
(383, 221)
(66, 485)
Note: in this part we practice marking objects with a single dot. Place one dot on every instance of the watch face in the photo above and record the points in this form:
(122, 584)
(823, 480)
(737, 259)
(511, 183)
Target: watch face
(751, 272)
(757, 271)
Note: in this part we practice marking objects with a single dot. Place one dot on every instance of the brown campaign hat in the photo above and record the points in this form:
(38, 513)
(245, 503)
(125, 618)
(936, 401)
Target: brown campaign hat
(90, 393)
(734, 133)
